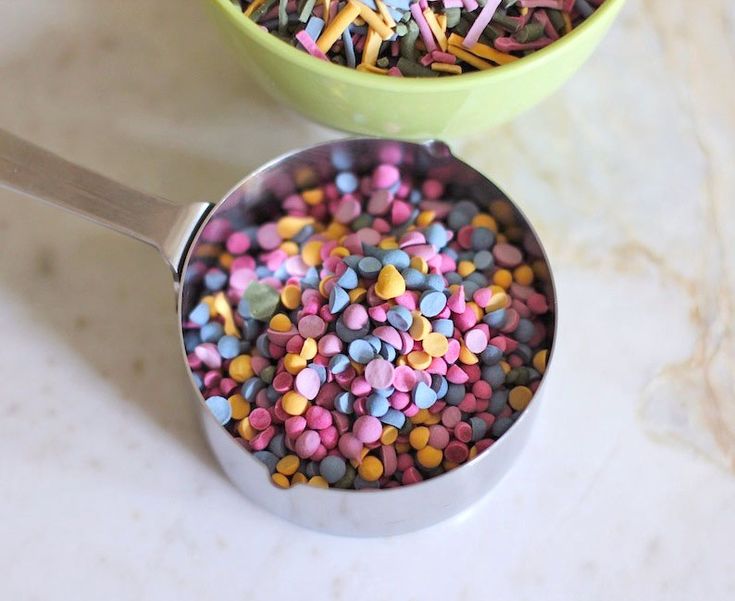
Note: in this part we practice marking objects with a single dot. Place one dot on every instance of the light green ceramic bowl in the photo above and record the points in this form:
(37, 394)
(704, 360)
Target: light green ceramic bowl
(402, 107)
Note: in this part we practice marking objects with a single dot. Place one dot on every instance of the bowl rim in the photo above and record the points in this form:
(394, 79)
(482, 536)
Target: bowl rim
(352, 76)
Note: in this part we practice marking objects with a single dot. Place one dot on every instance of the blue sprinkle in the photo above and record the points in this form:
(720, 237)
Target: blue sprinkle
(197, 381)
(338, 300)
(348, 280)
(400, 4)
(462, 214)
(500, 426)
(361, 351)
(400, 318)
(272, 394)
(352, 261)
(369, 3)
(523, 333)
(369, 267)
(311, 278)
(414, 278)
(320, 370)
(304, 233)
(423, 396)
(493, 375)
(479, 428)
(434, 282)
(263, 272)
(375, 342)
(200, 314)
(482, 238)
(478, 278)
(388, 352)
(483, 260)
(451, 253)
(341, 159)
(220, 408)
(339, 363)
(277, 445)
(346, 182)
(439, 385)
(498, 401)
(394, 418)
(495, 319)
(436, 235)
(398, 258)
(268, 458)
(455, 394)
(314, 27)
(374, 251)
(243, 308)
(251, 387)
(377, 405)
(349, 47)
(491, 355)
(343, 402)
(228, 347)
(332, 468)
(470, 288)
(432, 303)
(212, 331)
(215, 279)
(445, 327)
(191, 341)
(346, 335)
(282, 273)
(415, 197)
(261, 343)
(385, 392)
(452, 278)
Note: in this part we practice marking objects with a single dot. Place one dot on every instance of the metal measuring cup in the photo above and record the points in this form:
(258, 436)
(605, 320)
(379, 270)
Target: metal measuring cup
(175, 231)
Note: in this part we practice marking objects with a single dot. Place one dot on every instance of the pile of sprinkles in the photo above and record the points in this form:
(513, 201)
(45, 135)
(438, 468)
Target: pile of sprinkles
(372, 332)
(421, 38)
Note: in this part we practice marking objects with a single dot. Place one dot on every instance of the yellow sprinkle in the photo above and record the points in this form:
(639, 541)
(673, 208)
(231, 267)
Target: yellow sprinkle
(429, 457)
(289, 247)
(241, 368)
(498, 300)
(339, 251)
(310, 253)
(385, 13)
(419, 359)
(495, 289)
(435, 344)
(291, 296)
(523, 274)
(371, 69)
(390, 283)
(293, 363)
(327, 10)
(370, 469)
(483, 51)
(539, 361)
(473, 452)
(486, 221)
(298, 478)
(519, 397)
(466, 356)
(374, 22)
(479, 313)
(442, 19)
(280, 480)
(446, 68)
(388, 244)
(425, 218)
(401, 361)
(251, 9)
(389, 435)
(419, 437)
(322, 286)
(567, 22)
(420, 417)
(280, 323)
(505, 366)
(240, 407)
(436, 29)
(471, 59)
(222, 306)
(288, 465)
(420, 264)
(335, 28)
(448, 465)
(465, 268)
(245, 430)
(225, 260)
(308, 349)
(314, 196)
(335, 230)
(293, 403)
(503, 277)
(318, 481)
(372, 46)
(288, 226)
(420, 326)
(432, 418)
(357, 295)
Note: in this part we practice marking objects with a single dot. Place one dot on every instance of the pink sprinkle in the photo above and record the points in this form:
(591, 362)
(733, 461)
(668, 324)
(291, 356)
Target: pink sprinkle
(367, 429)
(307, 444)
(443, 57)
(389, 335)
(456, 302)
(355, 317)
(424, 28)
(307, 383)
(208, 354)
(403, 378)
(456, 376)
(482, 21)
(294, 426)
(475, 340)
(379, 373)
(453, 4)
(350, 446)
(310, 45)
(470, 5)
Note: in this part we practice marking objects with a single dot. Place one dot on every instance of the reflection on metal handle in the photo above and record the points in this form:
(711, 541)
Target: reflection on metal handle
(31, 170)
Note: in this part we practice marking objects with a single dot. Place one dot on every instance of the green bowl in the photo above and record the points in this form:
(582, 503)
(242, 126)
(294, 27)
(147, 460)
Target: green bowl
(402, 107)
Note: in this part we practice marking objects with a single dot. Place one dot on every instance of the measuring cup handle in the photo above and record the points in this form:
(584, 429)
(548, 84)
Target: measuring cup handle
(36, 172)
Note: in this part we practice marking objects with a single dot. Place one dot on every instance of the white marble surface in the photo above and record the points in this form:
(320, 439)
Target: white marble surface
(627, 490)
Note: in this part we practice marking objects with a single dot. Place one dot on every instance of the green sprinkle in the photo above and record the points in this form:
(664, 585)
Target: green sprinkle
(262, 9)
(401, 29)
(530, 33)
(282, 16)
(306, 11)
(262, 300)
(453, 15)
(505, 21)
(408, 43)
(383, 62)
(557, 20)
(412, 69)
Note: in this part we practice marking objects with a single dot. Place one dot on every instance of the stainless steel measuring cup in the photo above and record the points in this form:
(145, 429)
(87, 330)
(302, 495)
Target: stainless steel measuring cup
(175, 231)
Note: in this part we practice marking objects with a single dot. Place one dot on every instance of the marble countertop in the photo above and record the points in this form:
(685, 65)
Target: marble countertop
(626, 490)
